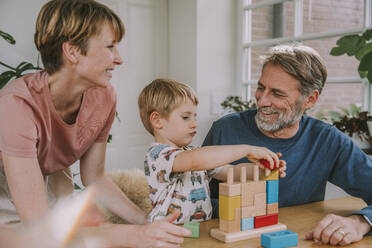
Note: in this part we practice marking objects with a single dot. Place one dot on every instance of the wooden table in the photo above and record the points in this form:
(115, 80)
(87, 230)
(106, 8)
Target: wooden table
(300, 219)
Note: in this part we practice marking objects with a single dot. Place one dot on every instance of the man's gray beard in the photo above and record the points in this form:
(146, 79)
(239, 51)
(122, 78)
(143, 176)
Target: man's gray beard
(283, 120)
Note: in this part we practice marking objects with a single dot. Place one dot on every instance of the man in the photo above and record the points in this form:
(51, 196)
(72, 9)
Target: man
(292, 79)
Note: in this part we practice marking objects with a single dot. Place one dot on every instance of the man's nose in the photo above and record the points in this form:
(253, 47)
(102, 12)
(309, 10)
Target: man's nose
(264, 99)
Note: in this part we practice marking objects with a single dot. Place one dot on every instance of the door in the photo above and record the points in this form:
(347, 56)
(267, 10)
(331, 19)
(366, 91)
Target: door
(144, 52)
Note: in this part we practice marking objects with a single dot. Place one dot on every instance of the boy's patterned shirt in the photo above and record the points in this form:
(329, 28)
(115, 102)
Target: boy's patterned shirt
(187, 191)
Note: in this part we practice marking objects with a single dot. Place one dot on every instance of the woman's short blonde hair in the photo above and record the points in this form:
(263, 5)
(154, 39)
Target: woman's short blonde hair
(163, 96)
(75, 21)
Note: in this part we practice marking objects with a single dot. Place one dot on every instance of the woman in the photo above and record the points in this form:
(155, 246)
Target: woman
(64, 113)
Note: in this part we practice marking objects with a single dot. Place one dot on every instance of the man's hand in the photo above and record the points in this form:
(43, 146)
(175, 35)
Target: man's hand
(338, 230)
(162, 233)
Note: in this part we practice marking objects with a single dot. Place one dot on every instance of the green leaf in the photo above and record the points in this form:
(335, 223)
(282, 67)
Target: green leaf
(365, 62)
(368, 34)
(350, 43)
(5, 77)
(363, 74)
(364, 50)
(337, 51)
(354, 110)
(344, 110)
(335, 116)
(7, 37)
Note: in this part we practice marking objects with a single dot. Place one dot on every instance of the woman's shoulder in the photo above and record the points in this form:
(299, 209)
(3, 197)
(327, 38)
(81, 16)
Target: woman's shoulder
(105, 95)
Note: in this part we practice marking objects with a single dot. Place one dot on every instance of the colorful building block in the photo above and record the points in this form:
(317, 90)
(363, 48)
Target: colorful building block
(194, 227)
(266, 220)
(272, 191)
(230, 226)
(274, 175)
(227, 206)
(247, 223)
(272, 208)
(229, 189)
(279, 239)
(248, 191)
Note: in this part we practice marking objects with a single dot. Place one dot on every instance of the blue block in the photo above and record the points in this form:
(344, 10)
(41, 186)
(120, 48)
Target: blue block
(272, 191)
(247, 223)
(279, 239)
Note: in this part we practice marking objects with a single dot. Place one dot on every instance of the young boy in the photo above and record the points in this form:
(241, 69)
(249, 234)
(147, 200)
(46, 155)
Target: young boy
(178, 176)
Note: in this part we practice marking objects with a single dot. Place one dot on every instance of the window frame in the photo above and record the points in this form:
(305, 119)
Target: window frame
(246, 44)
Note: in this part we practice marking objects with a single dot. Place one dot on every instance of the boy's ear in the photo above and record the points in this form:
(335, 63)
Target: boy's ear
(70, 52)
(155, 120)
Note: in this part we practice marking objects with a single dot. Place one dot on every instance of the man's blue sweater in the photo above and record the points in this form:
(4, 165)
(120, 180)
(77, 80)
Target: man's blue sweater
(316, 154)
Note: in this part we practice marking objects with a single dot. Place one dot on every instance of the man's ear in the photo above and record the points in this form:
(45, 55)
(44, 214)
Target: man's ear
(311, 99)
(70, 52)
(156, 120)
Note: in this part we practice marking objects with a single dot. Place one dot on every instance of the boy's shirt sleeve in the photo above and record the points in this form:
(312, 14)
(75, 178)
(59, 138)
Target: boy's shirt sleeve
(160, 160)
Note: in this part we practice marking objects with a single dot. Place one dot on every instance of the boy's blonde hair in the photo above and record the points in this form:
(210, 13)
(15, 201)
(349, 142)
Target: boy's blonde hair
(75, 21)
(163, 96)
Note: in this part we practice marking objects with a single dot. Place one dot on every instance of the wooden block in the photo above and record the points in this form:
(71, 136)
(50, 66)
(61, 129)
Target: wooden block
(229, 189)
(243, 175)
(274, 175)
(259, 210)
(230, 175)
(227, 206)
(247, 212)
(279, 239)
(259, 199)
(194, 227)
(230, 226)
(267, 220)
(249, 234)
(272, 208)
(247, 223)
(272, 191)
(250, 188)
(256, 173)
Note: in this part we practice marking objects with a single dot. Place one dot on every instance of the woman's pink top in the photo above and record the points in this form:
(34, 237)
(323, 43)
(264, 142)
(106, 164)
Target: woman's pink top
(30, 126)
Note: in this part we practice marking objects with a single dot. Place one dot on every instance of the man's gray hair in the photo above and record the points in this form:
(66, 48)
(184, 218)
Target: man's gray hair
(300, 61)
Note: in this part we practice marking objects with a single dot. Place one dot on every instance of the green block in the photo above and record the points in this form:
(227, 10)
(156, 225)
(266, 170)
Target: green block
(194, 227)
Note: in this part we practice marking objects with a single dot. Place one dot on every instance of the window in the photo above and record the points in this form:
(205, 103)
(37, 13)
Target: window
(317, 23)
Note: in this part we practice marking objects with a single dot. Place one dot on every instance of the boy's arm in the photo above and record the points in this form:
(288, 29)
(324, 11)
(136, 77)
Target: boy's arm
(210, 157)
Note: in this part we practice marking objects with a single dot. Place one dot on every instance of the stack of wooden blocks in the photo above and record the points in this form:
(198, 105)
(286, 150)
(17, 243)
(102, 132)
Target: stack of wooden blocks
(250, 207)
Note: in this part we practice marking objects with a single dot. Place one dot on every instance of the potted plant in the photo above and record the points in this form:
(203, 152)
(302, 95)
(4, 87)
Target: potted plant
(236, 104)
(351, 121)
(359, 46)
(13, 72)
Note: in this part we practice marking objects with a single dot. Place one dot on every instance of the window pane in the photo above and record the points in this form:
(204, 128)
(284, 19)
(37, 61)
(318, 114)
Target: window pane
(272, 21)
(337, 66)
(330, 15)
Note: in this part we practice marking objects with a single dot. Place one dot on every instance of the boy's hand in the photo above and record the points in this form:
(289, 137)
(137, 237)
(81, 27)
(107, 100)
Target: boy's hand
(282, 165)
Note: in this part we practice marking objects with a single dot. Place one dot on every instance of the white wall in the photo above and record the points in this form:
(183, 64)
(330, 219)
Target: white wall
(18, 17)
(202, 38)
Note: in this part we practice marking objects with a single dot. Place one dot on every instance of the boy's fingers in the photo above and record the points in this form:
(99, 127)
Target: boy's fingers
(173, 216)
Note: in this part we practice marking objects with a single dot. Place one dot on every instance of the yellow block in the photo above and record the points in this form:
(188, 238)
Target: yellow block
(274, 175)
(227, 206)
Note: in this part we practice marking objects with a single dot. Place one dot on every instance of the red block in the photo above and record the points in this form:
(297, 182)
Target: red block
(265, 220)
(266, 164)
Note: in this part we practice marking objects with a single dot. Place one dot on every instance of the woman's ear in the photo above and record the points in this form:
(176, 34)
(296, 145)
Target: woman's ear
(70, 52)
(311, 99)
(156, 120)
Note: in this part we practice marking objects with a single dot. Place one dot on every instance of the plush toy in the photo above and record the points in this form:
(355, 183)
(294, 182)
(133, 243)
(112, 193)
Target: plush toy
(133, 183)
